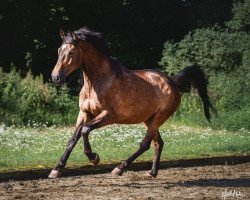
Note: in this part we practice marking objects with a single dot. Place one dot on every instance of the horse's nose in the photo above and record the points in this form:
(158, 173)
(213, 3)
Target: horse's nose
(55, 79)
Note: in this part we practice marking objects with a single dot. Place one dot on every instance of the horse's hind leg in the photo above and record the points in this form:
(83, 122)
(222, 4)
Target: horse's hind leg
(158, 146)
(144, 146)
(153, 123)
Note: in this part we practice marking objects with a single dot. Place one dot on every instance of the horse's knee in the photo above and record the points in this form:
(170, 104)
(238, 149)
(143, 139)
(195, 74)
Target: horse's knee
(85, 131)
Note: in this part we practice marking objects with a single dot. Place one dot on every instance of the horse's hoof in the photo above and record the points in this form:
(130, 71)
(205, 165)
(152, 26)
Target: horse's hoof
(151, 175)
(117, 172)
(55, 174)
(96, 159)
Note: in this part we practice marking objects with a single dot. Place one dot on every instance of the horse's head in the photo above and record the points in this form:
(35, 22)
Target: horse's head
(69, 58)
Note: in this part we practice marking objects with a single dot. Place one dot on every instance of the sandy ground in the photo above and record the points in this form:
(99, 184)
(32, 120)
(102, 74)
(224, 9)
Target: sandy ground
(210, 182)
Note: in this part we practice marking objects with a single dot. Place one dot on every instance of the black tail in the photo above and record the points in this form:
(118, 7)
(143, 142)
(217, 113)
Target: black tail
(193, 76)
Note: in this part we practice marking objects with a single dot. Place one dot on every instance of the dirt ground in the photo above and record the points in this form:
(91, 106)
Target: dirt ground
(210, 182)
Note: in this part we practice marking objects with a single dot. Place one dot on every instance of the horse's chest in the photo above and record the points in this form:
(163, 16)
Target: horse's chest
(90, 105)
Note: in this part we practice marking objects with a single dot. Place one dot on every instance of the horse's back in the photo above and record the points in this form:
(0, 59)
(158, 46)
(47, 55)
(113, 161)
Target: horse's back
(158, 79)
(167, 92)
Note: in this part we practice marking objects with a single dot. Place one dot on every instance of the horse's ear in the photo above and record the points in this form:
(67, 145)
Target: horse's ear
(74, 36)
(62, 34)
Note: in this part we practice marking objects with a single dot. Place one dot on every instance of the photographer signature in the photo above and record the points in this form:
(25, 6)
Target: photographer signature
(233, 194)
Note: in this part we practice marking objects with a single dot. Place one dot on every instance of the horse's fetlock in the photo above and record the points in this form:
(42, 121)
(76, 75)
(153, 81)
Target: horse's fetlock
(123, 165)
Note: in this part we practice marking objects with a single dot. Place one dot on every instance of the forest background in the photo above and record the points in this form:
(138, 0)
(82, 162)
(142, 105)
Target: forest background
(168, 35)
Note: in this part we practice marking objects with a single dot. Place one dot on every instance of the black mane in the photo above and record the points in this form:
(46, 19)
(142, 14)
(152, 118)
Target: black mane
(86, 34)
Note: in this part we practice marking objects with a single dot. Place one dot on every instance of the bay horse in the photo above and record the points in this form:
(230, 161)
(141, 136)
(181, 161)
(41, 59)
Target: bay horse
(113, 94)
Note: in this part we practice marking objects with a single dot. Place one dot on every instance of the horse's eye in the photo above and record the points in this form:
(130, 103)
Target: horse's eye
(70, 53)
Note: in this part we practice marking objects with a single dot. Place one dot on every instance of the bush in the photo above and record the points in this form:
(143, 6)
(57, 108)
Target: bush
(230, 94)
(214, 48)
(241, 17)
(224, 53)
(29, 99)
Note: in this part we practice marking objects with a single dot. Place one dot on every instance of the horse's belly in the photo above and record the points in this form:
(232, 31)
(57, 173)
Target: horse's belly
(137, 113)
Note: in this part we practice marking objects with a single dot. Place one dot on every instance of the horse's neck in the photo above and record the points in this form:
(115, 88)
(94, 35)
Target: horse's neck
(96, 68)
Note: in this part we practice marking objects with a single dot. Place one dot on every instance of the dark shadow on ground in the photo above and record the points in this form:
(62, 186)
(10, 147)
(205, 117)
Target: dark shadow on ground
(107, 168)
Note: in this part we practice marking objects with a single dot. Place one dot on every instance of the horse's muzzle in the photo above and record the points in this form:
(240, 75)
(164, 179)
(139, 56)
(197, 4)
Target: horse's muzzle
(58, 79)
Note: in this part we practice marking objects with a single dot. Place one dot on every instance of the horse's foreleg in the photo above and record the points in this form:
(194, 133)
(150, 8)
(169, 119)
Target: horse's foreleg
(82, 118)
(93, 157)
(55, 173)
(144, 146)
(99, 121)
(158, 146)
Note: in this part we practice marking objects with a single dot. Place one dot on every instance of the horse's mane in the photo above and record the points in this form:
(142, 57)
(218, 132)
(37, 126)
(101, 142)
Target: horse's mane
(86, 34)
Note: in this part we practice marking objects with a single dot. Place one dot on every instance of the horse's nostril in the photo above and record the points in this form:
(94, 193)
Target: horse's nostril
(56, 79)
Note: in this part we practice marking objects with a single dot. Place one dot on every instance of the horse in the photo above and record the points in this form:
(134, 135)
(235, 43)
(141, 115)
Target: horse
(113, 94)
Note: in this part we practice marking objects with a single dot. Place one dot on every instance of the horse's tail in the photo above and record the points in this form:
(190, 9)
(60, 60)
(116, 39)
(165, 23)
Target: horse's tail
(193, 76)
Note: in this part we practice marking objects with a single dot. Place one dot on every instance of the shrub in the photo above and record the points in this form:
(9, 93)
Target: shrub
(241, 16)
(214, 48)
(29, 99)
(224, 53)
(231, 96)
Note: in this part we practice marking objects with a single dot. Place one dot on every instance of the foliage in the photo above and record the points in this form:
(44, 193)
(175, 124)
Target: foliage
(135, 30)
(223, 52)
(129, 25)
(215, 48)
(241, 17)
(30, 99)
(231, 97)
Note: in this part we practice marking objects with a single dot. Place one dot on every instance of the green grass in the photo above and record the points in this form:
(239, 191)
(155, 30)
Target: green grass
(41, 147)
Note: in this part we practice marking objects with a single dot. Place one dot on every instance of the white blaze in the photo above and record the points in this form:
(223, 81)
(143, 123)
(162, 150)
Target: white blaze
(63, 46)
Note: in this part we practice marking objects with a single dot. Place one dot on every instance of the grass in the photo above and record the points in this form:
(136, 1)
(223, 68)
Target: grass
(41, 147)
